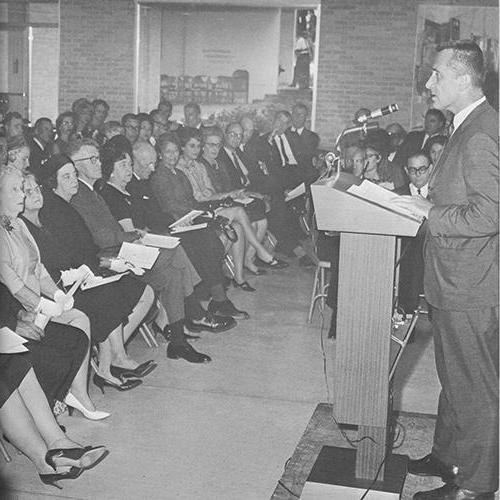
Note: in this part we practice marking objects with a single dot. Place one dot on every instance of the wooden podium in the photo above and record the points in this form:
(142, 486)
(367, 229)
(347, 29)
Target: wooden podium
(364, 311)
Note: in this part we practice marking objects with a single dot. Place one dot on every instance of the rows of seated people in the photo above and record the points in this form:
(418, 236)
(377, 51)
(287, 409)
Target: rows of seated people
(71, 197)
(400, 162)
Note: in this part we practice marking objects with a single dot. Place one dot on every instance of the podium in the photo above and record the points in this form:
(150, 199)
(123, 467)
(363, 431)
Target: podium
(364, 312)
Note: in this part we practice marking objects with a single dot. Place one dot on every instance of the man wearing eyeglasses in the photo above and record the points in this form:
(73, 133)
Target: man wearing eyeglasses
(411, 271)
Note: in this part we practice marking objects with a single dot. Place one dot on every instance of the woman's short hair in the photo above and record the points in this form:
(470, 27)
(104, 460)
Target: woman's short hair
(7, 171)
(187, 133)
(114, 150)
(213, 131)
(168, 138)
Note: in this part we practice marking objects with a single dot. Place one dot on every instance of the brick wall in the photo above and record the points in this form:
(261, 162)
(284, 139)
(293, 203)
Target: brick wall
(366, 53)
(97, 53)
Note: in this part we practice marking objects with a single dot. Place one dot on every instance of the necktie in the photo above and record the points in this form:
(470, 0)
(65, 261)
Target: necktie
(243, 178)
(418, 191)
(283, 152)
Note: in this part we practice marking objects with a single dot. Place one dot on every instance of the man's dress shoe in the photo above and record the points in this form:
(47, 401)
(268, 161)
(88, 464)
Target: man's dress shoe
(452, 492)
(430, 465)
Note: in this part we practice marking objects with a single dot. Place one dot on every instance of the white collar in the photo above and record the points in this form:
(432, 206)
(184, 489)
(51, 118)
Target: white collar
(460, 117)
(87, 184)
(35, 139)
(298, 130)
(424, 190)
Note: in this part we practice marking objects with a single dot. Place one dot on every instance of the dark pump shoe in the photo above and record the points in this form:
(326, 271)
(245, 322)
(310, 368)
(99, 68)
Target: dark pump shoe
(226, 308)
(210, 323)
(430, 465)
(452, 492)
(140, 371)
(186, 351)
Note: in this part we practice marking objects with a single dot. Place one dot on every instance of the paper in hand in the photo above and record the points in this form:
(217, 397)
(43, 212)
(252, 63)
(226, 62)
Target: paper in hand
(139, 255)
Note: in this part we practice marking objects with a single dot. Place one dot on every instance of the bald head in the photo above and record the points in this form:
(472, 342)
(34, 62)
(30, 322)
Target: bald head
(144, 159)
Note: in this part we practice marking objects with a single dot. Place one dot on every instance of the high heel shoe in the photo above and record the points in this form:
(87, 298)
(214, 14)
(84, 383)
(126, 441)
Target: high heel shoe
(126, 385)
(52, 479)
(74, 404)
(82, 458)
(272, 264)
(140, 371)
(245, 286)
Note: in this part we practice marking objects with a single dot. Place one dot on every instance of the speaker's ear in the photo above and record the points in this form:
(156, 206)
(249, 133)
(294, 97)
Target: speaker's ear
(11, 156)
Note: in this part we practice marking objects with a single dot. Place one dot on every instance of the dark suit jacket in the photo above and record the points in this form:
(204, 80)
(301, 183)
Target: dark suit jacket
(304, 146)
(461, 246)
(37, 156)
(226, 164)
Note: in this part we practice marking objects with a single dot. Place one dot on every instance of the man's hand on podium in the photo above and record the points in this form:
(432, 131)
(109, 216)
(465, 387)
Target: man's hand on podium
(417, 204)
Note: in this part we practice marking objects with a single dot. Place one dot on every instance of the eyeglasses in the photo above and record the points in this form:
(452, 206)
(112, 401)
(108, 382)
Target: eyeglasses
(93, 159)
(418, 171)
(235, 134)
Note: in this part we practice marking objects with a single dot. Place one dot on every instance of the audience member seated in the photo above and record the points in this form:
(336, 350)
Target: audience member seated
(354, 162)
(130, 124)
(40, 144)
(203, 191)
(219, 187)
(18, 153)
(83, 110)
(3, 151)
(160, 125)
(30, 283)
(165, 110)
(303, 142)
(283, 160)
(65, 128)
(411, 271)
(192, 116)
(145, 127)
(100, 111)
(397, 135)
(56, 351)
(377, 168)
(172, 276)
(114, 310)
(13, 125)
(202, 246)
(415, 141)
(27, 422)
(111, 129)
(435, 146)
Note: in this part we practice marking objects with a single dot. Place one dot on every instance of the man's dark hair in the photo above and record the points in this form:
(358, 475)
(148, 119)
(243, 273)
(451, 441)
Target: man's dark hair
(301, 105)
(436, 139)
(144, 117)
(468, 55)
(128, 116)
(193, 105)
(12, 115)
(41, 120)
(164, 102)
(283, 113)
(100, 102)
(438, 114)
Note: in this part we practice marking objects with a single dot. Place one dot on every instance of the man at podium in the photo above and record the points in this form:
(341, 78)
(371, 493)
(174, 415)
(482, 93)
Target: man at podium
(461, 281)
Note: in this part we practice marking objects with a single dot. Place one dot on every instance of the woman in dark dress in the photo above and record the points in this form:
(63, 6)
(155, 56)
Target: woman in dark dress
(116, 309)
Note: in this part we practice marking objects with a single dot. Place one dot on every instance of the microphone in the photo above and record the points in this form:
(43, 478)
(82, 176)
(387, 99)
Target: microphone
(377, 113)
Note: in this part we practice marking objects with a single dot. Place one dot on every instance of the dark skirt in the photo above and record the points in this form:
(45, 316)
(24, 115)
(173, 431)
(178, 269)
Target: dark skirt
(108, 306)
(13, 369)
(56, 359)
(255, 210)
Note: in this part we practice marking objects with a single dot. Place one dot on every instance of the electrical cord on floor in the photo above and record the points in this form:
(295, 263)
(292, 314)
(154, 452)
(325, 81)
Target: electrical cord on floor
(280, 482)
(351, 442)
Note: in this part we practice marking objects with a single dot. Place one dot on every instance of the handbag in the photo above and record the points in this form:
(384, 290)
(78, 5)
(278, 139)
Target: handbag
(218, 223)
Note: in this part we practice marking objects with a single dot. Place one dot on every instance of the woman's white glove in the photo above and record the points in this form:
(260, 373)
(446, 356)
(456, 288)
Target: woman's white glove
(65, 301)
(121, 266)
(49, 308)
